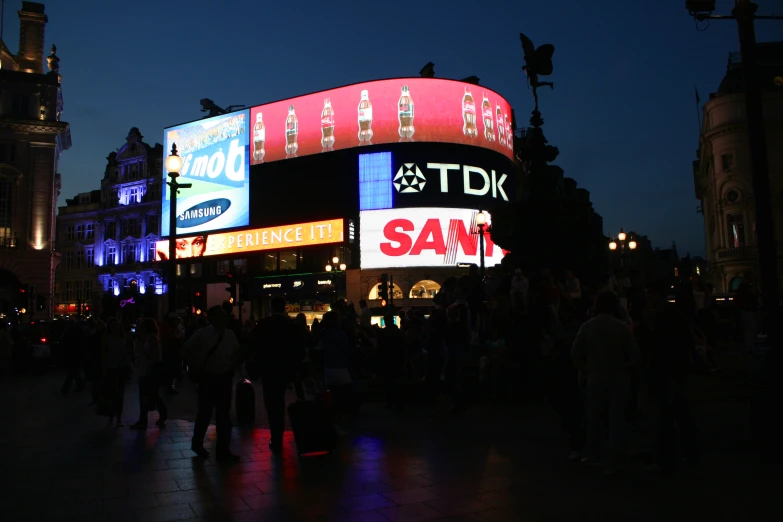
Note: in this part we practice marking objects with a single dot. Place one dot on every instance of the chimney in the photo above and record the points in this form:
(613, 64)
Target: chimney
(32, 22)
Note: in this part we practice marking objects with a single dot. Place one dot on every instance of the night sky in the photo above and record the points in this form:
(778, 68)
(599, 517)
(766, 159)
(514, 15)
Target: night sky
(622, 112)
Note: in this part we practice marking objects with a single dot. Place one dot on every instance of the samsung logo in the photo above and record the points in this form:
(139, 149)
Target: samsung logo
(203, 212)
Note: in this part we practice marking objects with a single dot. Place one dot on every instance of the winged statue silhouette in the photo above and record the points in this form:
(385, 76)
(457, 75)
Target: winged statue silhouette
(538, 62)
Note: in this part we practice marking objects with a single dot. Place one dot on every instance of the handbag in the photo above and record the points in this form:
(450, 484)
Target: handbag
(196, 371)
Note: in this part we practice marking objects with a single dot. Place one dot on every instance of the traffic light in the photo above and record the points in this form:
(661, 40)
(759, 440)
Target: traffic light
(383, 288)
(40, 303)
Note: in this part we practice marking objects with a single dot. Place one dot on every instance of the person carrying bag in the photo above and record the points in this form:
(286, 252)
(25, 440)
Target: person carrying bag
(214, 354)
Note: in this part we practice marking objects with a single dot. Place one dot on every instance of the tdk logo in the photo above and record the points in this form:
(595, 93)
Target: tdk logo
(214, 164)
(203, 213)
(409, 179)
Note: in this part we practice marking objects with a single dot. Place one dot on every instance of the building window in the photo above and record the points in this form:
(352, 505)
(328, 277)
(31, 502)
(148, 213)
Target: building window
(69, 233)
(69, 260)
(88, 289)
(130, 227)
(133, 171)
(736, 226)
(270, 262)
(288, 260)
(89, 232)
(21, 105)
(154, 192)
(68, 294)
(129, 253)
(111, 255)
(151, 250)
(424, 289)
(6, 212)
(79, 232)
(80, 259)
(732, 196)
(153, 224)
(727, 161)
(89, 258)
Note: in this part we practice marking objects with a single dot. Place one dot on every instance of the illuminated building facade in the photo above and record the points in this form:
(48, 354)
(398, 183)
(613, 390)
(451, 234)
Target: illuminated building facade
(32, 137)
(107, 237)
(722, 172)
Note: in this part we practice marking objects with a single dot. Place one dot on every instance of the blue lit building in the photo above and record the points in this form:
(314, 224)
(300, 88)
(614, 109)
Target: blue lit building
(107, 237)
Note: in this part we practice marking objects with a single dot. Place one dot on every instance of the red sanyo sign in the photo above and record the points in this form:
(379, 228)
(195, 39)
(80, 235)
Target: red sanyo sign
(423, 237)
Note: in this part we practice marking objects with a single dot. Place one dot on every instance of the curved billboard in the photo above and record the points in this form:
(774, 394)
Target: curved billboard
(381, 112)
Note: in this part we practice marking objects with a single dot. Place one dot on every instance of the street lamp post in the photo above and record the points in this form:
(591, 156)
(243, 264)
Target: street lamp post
(481, 222)
(621, 238)
(173, 166)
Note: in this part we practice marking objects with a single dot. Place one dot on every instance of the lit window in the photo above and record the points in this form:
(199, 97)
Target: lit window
(89, 258)
(736, 228)
(111, 255)
(89, 231)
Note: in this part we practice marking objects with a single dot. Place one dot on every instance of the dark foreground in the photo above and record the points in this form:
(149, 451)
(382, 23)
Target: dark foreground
(495, 462)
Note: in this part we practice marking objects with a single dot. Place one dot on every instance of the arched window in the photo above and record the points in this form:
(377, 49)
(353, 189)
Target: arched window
(734, 284)
(425, 289)
(7, 238)
(373, 296)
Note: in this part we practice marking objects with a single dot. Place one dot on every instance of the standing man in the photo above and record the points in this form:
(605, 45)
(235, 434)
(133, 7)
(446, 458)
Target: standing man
(279, 351)
(605, 350)
(215, 351)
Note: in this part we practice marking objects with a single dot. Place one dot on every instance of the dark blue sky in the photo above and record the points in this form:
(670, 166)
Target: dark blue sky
(622, 111)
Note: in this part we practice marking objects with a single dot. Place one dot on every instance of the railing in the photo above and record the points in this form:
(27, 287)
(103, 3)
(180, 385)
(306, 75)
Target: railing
(743, 252)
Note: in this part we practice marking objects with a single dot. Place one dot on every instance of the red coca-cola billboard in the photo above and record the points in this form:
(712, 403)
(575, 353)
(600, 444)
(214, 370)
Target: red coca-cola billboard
(381, 112)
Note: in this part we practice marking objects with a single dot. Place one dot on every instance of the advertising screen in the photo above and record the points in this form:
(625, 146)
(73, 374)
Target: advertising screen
(215, 160)
(255, 240)
(426, 176)
(384, 111)
(415, 237)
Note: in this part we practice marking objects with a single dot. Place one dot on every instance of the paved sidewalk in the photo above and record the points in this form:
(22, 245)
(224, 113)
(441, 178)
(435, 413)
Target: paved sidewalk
(495, 463)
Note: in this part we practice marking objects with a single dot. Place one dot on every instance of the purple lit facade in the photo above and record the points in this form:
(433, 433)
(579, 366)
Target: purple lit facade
(107, 237)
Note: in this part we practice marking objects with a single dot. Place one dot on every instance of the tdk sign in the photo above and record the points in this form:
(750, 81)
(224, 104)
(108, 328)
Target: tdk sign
(202, 213)
(475, 181)
(215, 161)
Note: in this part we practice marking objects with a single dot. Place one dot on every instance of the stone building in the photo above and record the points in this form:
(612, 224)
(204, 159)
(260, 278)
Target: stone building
(722, 172)
(32, 136)
(107, 237)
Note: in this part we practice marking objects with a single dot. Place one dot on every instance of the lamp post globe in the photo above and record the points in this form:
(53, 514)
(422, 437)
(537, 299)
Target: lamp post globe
(632, 245)
(328, 268)
(612, 245)
(173, 161)
(342, 267)
(621, 236)
(481, 219)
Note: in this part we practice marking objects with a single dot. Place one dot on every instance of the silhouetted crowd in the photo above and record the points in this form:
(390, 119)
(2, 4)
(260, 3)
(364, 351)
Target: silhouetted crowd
(596, 354)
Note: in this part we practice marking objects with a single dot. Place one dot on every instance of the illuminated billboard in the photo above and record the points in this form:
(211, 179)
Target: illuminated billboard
(254, 240)
(455, 177)
(215, 159)
(422, 237)
(384, 111)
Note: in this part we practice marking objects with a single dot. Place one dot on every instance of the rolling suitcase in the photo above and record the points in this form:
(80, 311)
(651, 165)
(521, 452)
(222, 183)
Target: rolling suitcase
(245, 402)
(311, 422)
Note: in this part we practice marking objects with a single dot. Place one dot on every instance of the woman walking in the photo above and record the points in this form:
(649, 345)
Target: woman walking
(150, 362)
(115, 364)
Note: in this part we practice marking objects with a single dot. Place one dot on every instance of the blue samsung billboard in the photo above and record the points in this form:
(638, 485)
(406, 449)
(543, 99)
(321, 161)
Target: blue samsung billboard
(215, 156)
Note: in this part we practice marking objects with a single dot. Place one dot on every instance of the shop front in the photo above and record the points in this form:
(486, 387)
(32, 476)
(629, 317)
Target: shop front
(311, 294)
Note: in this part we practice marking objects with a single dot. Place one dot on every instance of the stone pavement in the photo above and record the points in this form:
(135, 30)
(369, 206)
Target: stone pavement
(495, 463)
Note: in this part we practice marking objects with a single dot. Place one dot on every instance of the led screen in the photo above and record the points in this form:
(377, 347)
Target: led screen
(215, 160)
(384, 111)
(255, 240)
(416, 237)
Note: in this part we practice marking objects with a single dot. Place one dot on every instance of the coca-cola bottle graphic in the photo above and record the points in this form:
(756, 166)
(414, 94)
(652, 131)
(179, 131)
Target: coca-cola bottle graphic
(469, 128)
(365, 118)
(327, 125)
(501, 125)
(405, 113)
(291, 132)
(486, 112)
(259, 136)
